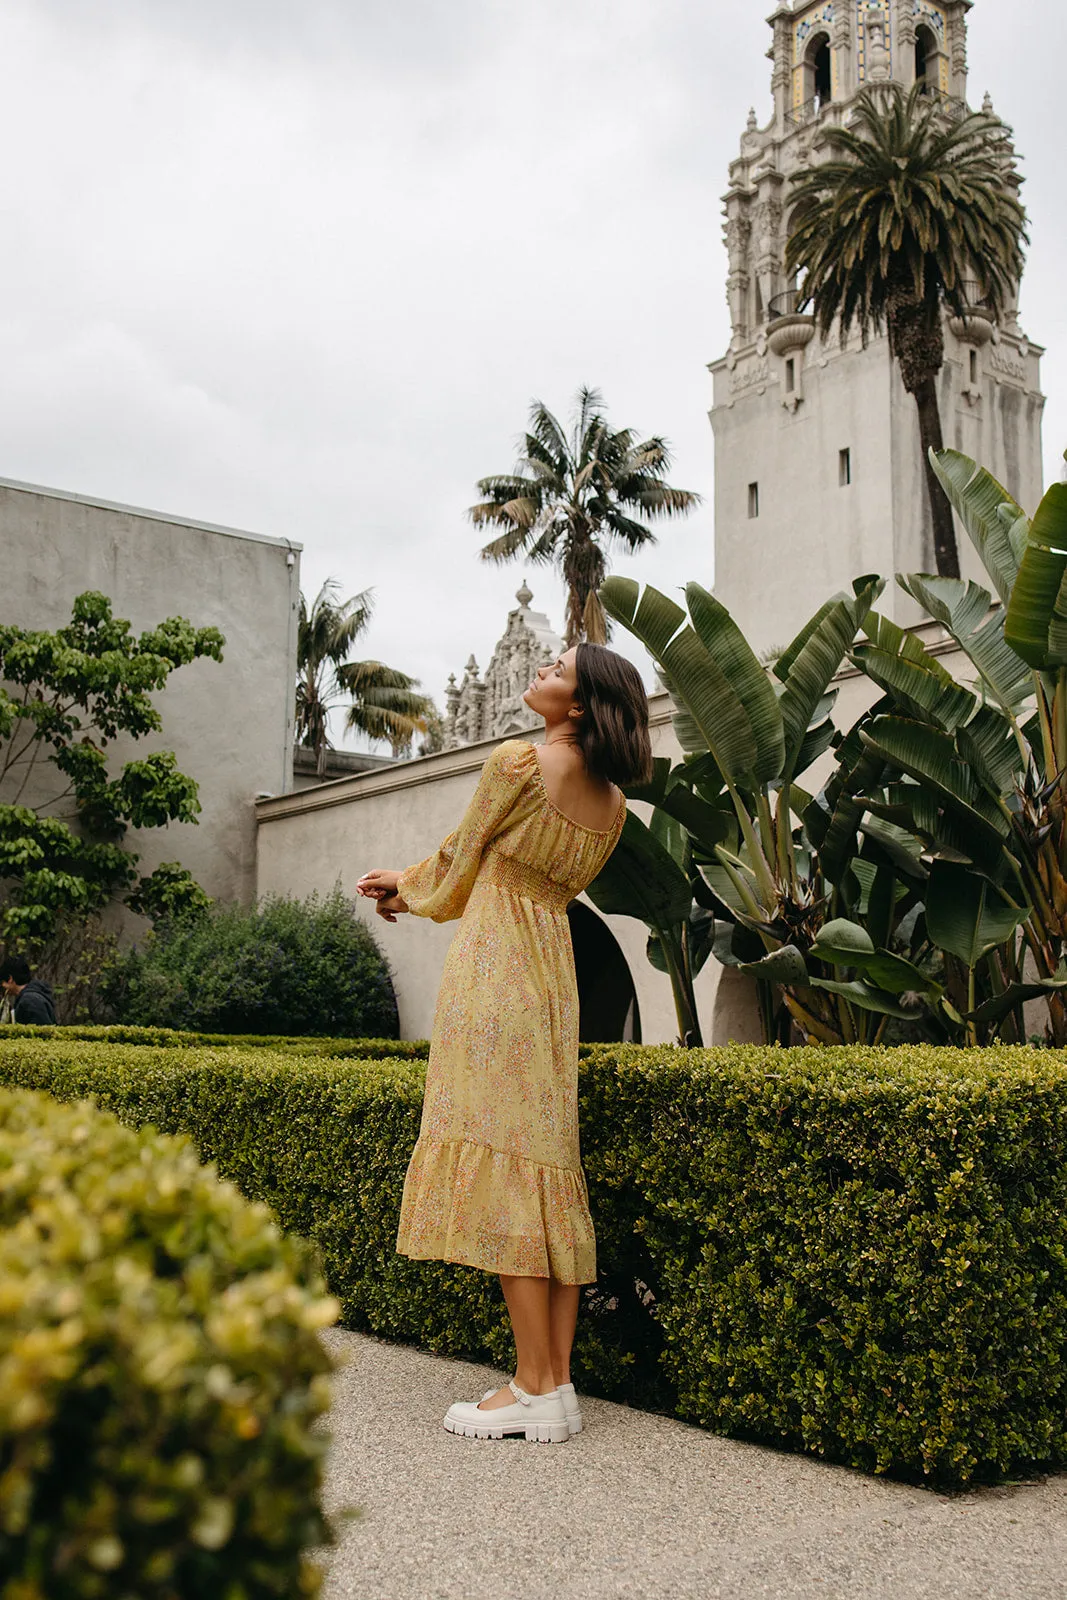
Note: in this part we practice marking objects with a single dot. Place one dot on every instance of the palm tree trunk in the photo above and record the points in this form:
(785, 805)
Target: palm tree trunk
(945, 552)
(917, 339)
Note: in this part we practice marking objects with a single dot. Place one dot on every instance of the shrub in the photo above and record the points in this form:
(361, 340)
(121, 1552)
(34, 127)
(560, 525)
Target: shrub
(177, 1039)
(286, 966)
(862, 1253)
(159, 1371)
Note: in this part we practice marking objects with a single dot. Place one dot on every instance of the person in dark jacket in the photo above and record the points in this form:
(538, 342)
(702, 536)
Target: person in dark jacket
(31, 998)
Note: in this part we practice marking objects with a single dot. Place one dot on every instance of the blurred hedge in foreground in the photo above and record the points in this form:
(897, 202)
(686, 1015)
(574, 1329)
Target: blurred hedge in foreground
(159, 1371)
(861, 1253)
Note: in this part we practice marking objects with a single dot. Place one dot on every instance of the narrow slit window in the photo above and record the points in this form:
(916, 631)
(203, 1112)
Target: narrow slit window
(790, 375)
(844, 468)
(753, 499)
(974, 366)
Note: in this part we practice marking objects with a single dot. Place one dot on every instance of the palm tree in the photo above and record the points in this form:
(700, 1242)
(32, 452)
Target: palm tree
(912, 212)
(567, 495)
(383, 704)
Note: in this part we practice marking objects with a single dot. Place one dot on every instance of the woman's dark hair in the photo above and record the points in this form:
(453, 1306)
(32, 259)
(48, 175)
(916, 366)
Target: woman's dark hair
(613, 733)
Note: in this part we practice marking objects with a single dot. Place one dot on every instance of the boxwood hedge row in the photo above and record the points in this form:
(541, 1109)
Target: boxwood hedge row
(860, 1253)
(177, 1039)
(160, 1373)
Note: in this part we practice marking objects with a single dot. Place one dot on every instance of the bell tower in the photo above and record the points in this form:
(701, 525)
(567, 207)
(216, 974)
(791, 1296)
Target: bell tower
(818, 475)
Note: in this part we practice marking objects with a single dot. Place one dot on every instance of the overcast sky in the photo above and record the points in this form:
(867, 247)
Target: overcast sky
(300, 266)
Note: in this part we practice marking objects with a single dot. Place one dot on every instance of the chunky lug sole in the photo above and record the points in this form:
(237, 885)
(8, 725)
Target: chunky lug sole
(533, 1432)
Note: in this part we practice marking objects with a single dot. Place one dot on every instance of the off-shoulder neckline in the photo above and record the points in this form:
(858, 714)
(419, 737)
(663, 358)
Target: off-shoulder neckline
(554, 807)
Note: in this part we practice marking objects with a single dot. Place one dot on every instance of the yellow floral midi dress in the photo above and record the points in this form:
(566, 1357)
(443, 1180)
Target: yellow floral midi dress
(495, 1180)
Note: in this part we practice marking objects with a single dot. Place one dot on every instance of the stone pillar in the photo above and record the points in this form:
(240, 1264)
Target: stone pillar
(844, 62)
(781, 56)
(768, 238)
(956, 46)
(737, 232)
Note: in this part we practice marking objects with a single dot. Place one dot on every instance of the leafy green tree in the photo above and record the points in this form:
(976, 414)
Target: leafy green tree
(381, 701)
(911, 206)
(64, 698)
(569, 497)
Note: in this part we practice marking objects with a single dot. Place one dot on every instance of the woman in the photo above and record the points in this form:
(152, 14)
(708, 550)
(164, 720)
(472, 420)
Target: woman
(495, 1180)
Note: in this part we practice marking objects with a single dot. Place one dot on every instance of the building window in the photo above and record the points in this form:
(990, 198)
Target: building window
(790, 375)
(844, 467)
(753, 499)
(974, 366)
(821, 64)
(925, 52)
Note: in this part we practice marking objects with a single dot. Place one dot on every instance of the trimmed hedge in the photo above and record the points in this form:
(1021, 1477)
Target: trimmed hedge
(861, 1253)
(176, 1038)
(160, 1373)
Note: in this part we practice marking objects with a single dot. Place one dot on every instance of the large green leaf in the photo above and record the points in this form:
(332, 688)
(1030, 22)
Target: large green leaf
(842, 942)
(697, 682)
(930, 757)
(861, 994)
(1035, 599)
(1015, 995)
(977, 498)
(813, 665)
(963, 609)
(923, 687)
(988, 746)
(642, 879)
(966, 914)
(723, 639)
(784, 965)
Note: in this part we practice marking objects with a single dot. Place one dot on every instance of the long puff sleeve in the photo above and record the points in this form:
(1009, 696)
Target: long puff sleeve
(439, 887)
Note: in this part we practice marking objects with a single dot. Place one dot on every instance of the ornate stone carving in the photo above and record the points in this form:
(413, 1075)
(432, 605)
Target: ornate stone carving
(493, 708)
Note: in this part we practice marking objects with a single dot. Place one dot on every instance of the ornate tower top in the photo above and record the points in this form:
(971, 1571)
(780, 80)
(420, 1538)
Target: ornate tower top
(493, 707)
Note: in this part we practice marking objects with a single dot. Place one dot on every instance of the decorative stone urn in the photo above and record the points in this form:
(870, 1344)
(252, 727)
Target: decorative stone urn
(975, 328)
(790, 333)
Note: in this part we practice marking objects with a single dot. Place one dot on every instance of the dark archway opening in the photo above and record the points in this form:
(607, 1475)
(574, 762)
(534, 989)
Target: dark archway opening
(821, 64)
(925, 46)
(607, 999)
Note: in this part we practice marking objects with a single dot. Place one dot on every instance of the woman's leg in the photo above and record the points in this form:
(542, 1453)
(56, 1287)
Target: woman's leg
(543, 1316)
(562, 1319)
(528, 1303)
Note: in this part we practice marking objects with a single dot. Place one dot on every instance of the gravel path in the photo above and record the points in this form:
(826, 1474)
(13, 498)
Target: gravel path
(645, 1507)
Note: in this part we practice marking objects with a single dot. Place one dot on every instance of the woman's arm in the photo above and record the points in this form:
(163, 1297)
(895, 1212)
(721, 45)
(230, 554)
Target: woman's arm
(439, 887)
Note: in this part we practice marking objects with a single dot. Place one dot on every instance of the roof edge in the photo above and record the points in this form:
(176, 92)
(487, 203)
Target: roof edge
(151, 516)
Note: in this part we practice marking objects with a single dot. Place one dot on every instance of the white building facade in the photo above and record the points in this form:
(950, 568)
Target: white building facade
(818, 469)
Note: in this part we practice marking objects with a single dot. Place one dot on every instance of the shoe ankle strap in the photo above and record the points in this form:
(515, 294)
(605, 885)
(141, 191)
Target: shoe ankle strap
(520, 1394)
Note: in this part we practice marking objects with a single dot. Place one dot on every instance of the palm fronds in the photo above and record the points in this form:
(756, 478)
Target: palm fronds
(570, 496)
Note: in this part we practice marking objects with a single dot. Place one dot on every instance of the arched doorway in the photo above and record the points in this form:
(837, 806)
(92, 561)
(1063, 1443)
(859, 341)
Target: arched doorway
(607, 999)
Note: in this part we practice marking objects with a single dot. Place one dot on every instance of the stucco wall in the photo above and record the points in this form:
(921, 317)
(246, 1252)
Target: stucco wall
(230, 724)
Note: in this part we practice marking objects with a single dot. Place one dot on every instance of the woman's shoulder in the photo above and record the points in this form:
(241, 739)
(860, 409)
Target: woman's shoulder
(511, 758)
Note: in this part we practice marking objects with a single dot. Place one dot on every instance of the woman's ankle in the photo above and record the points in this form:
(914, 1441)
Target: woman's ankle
(536, 1382)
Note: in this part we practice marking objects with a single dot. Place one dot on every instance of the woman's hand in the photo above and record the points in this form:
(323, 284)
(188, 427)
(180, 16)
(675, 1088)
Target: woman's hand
(380, 886)
(377, 884)
(390, 907)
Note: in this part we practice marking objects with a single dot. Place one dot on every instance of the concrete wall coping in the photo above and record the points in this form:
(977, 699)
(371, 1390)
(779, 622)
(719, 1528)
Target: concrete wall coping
(150, 516)
(472, 757)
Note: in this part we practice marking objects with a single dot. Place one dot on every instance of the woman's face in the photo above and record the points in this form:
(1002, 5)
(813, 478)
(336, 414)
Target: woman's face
(554, 691)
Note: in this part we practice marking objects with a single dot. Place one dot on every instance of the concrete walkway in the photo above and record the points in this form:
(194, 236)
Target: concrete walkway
(645, 1507)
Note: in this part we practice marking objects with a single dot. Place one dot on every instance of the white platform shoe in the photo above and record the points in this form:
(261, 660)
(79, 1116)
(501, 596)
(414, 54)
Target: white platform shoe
(540, 1418)
(572, 1410)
